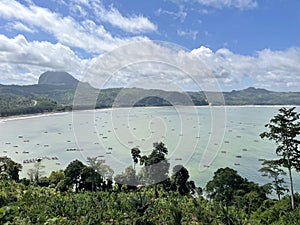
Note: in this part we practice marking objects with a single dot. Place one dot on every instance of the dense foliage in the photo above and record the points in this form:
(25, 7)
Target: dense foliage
(21, 204)
(16, 105)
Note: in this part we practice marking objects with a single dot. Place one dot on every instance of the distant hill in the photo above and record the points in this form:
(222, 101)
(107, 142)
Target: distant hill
(258, 96)
(58, 89)
(58, 78)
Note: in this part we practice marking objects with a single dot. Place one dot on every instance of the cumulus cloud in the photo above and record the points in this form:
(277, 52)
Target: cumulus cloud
(23, 61)
(268, 69)
(152, 64)
(86, 35)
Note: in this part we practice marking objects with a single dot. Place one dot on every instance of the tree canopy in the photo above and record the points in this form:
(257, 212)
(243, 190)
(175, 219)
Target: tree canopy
(284, 129)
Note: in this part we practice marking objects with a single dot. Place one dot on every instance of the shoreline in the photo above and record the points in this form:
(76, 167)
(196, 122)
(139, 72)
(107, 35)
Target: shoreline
(30, 116)
(45, 114)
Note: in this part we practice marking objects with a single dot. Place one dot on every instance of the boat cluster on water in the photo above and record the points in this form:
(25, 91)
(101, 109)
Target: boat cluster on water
(39, 159)
(74, 149)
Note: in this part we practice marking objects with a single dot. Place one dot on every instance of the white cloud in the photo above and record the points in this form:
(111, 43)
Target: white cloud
(188, 33)
(180, 14)
(86, 35)
(269, 69)
(23, 61)
(153, 65)
(239, 4)
(132, 24)
(20, 27)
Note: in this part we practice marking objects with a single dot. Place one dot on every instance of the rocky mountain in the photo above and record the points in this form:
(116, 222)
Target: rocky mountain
(58, 78)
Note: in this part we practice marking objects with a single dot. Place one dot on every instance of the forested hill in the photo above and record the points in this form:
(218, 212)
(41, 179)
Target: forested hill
(55, 91)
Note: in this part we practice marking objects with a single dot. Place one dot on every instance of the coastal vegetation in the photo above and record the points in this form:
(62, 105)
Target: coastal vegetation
(150, 192)
(11, 104)
(55, 91)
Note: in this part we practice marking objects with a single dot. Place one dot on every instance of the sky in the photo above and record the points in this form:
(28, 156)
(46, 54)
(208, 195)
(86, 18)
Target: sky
(241, 43)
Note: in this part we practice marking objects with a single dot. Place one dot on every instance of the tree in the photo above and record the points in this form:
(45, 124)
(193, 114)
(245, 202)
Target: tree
(156, 166)
(100, 167)
(271, 168)
(223, 186)
(228, 187)
(9, 169)
(136, 155)
(284, 129)
(73, 174)
(179, 180)
(56, 178)
(90, 180)
(128, 178)
(36, 173)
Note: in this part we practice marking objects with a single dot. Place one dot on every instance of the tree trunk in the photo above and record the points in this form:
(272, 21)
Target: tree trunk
(291, 186)
(156, 191)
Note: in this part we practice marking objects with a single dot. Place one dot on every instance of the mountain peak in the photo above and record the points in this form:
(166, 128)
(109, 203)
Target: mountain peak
(57, 78)
(256, 90)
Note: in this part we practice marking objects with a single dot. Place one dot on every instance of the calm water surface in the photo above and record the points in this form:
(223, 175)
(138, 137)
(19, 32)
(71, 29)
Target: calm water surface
(201, 138)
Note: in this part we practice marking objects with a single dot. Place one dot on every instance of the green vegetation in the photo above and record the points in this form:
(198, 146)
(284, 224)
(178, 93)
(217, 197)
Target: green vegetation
(284, 129)
(56, 90)
(86, 194)
(15, 105)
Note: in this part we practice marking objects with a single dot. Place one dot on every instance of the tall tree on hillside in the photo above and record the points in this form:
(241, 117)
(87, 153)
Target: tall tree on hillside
(136, 155)
(272, 169)
(156, 166)
(284, 129)
(179, 179)
(73, 174)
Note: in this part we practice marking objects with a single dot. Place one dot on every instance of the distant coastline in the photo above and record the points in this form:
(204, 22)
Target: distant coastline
(56, 92)
(46, 114)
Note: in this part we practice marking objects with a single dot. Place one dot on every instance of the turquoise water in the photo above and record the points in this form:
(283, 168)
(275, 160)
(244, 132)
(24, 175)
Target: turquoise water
(201, 138)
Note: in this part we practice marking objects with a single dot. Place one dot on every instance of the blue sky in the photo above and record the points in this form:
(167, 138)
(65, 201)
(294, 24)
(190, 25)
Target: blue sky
(242, 42)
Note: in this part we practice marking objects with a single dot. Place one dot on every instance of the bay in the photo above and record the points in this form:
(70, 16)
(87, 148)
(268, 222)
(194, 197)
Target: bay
(201, 138)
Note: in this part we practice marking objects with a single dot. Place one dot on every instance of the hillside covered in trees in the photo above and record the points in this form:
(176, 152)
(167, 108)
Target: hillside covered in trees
(60, 88)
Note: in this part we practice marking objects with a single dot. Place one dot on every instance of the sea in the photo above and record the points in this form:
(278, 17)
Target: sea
(202, 138)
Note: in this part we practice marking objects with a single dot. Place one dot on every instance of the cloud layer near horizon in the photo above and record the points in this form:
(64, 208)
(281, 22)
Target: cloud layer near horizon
(267, 69)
